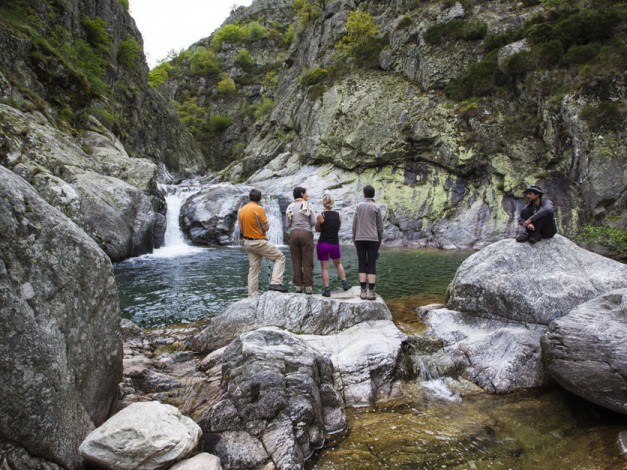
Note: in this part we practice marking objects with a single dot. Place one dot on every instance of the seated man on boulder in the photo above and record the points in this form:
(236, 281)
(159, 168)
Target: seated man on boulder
(537, 218)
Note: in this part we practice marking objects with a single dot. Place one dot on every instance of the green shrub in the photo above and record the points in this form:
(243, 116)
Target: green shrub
(255, 32)
(549, 54)
(307, 11)
(96, 33)
(92, 64)
(124, 4)
(226, 86)
(129, 53)
(159, 75)
(615, 239)
(581, 54)
(405, 22)
(313, 76)
(605, 115)
(288, 36)
(219, 122)
(270, 80)
(360, 41)
(263, 108)
(480, 79)
(192, 115)
(231, 33)
(204, 62)
(517, 65)
(244, 59)
(456, 29)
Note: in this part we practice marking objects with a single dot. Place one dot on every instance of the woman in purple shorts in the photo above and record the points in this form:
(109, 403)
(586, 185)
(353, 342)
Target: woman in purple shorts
(328, 224)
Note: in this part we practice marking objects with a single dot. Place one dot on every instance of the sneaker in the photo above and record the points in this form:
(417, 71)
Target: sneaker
(326, 292)
(371, 295)
(345, 285)
(308, 290)
(523, 237)
(298, 289)
(277, 287)
(363, 294)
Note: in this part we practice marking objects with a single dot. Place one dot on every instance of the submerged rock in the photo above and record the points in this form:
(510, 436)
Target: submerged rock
(586, 350)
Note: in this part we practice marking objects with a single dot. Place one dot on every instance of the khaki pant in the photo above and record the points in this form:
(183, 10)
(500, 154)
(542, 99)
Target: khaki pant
(301, 250)
(257, 250)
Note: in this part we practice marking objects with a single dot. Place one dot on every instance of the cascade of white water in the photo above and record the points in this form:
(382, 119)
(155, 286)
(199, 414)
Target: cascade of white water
(432, 381)
(275, 219)
(174, 243)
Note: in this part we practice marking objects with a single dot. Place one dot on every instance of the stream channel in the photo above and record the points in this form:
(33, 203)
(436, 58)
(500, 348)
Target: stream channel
(434, 426)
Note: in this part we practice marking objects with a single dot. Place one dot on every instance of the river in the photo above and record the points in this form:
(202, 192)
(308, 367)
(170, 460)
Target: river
(431, 428)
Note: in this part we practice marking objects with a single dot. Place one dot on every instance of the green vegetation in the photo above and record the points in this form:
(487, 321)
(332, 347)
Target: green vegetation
(255, 32)
(307, 11)
(456, 30)
(288, 36)
(220, 122)
(244, 59)
(226, 85)
(125, 4)
(238, 34)
(204, 62)
(360, 41)
(614, 239)
(263, 108)
(97, 36)
(159, 75)
(313, 76)
(192, 115)
(129, 53)
(606, 115)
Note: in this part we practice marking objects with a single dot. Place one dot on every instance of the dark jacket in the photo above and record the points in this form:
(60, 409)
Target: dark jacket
(537, 212)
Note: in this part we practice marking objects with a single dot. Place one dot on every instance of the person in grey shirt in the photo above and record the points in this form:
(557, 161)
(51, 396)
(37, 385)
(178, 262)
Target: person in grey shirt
(300, 221)
(367, 237)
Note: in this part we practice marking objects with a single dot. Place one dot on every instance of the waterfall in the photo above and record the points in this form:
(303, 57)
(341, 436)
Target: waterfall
(431, 380)
(275, 219)
(174, 243)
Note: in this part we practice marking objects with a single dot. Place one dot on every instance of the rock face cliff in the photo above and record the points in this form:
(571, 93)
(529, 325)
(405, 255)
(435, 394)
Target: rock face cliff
(60, 351)
(81, 124)
(449, 109)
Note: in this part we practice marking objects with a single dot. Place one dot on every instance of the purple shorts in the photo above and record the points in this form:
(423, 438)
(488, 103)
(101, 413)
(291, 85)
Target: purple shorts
(326, 250)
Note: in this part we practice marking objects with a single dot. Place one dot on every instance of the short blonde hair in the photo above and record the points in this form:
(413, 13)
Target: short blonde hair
(327, 201)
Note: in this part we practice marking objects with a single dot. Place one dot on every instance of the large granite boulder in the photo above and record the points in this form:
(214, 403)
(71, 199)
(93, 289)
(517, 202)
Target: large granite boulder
(528, 283)
(314, 315)
(586, 350)
(144, 436)
(501, 301)
(278, 402)
(210, 216)
(61, 351)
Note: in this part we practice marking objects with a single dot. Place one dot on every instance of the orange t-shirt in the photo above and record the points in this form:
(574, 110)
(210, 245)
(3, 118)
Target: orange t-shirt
(251, 218)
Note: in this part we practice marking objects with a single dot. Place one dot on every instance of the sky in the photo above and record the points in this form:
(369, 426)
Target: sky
(177, 24)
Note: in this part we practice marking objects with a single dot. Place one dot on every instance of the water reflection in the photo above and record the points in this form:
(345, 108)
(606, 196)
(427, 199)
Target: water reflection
(157, 290)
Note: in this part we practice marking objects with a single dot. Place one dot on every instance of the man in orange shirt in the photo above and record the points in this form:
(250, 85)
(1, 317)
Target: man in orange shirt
(253, 225)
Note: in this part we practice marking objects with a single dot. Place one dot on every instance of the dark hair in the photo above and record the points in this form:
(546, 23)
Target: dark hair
(254, 195)
(298, 192)
(534, 189)
(368, 191)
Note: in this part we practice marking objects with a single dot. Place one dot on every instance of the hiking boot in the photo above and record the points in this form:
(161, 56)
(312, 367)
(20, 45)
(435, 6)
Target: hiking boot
(308, 290)
(535, 238)
(326, 292)
(523, 237)
(298, 289)
(277, 288)
(363, 294)
(345, 285)
(372, 294)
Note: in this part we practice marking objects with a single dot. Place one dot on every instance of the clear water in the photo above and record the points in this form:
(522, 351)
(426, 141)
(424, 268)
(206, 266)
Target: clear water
(184, 284)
